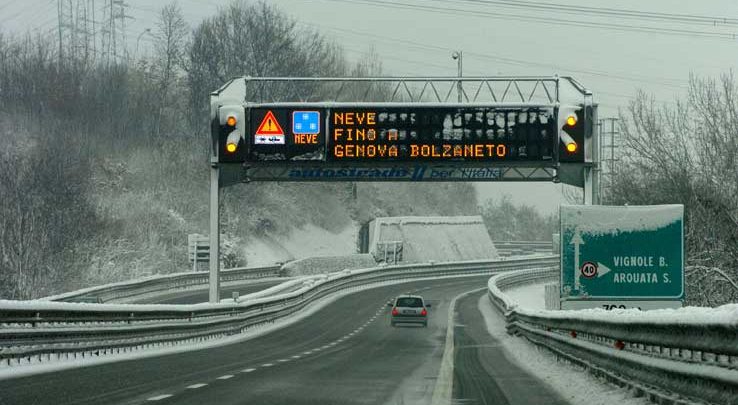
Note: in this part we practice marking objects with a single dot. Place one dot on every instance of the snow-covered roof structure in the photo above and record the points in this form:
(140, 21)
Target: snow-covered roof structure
(439, 239)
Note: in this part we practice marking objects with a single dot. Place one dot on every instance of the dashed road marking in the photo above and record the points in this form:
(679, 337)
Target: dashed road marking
(308, 352)
(267, 365)
(159, 397)
(296, 356)
(248, 370)
(225, 377)
(283, 360)
(195, 386)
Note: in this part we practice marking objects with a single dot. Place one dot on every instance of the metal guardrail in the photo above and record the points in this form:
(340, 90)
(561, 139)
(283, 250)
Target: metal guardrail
(33, 331)
(668, 361)
(165, 283)
(517, 248)
(127, 290)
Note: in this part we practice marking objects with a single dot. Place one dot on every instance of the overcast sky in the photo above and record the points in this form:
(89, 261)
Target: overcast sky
(414, 37)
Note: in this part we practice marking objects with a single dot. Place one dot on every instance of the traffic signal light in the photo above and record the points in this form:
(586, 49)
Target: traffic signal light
(571, 134)
(231, 139)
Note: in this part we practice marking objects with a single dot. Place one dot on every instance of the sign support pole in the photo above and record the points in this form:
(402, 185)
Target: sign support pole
(596, 148)
(588, 194)
(214, 279)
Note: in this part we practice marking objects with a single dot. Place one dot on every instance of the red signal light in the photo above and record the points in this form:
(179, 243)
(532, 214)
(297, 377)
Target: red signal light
(424, 312)
(395, 312)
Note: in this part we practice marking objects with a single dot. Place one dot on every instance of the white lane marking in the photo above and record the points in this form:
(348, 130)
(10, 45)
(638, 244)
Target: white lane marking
(195, 386)
(267, 365)
(308, 352)
(296, 356)
(225, 377)
(159, 397)
(283, 360)
(442, 392)
(248, 370)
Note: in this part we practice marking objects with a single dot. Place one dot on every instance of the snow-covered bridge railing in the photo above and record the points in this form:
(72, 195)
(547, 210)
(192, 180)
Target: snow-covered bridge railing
(673, 356)
(126, 290)
(41, 331)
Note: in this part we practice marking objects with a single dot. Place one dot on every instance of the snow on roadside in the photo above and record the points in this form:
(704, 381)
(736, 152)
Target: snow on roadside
(723, 315)
(575, 386)
(531, 296)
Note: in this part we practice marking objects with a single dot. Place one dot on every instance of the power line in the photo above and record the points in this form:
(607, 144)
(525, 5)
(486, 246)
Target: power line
(500, 59)
(546, 20)
(606, 12)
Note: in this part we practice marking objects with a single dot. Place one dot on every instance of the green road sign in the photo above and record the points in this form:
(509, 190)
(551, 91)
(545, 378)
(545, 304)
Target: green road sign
(622, 253)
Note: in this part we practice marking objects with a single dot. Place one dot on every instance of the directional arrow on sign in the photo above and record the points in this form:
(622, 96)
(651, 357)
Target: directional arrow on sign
(576, 240)
(602, 270)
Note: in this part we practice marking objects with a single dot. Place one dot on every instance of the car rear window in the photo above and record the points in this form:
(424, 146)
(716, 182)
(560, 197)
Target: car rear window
(409, 302)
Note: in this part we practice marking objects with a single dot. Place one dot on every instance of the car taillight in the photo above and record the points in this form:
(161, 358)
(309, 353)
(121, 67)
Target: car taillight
(423, 312)
(395, 311)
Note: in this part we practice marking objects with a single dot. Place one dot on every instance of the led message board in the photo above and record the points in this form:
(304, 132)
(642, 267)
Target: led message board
(369, 135)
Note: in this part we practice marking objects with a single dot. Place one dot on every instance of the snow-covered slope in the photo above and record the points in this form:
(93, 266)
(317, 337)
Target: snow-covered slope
(309, 241)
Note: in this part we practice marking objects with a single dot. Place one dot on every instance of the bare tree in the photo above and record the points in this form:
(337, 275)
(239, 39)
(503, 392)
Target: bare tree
(688, 154)
(171, 38)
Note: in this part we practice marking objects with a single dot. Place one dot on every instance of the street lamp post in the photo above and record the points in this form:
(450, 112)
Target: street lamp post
(458, 56)
(138, 41)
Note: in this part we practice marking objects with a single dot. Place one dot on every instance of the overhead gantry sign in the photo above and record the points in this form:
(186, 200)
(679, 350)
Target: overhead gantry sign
(402, 130)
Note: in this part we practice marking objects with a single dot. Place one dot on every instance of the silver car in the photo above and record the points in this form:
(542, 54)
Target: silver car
(409, 309)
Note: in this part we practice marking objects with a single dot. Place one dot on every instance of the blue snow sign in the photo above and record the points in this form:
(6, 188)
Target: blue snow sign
(305, 122)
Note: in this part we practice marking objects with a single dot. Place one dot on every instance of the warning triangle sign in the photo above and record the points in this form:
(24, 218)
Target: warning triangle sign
(269, 126)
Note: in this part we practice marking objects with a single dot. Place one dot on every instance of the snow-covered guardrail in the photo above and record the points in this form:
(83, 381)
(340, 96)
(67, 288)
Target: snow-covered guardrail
(513, 248)
(125, 290)
(40, 331)
(670, 355)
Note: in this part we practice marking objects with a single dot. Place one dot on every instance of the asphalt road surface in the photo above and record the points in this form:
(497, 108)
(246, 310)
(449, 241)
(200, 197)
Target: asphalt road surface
(345, 353)
(483, 375)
